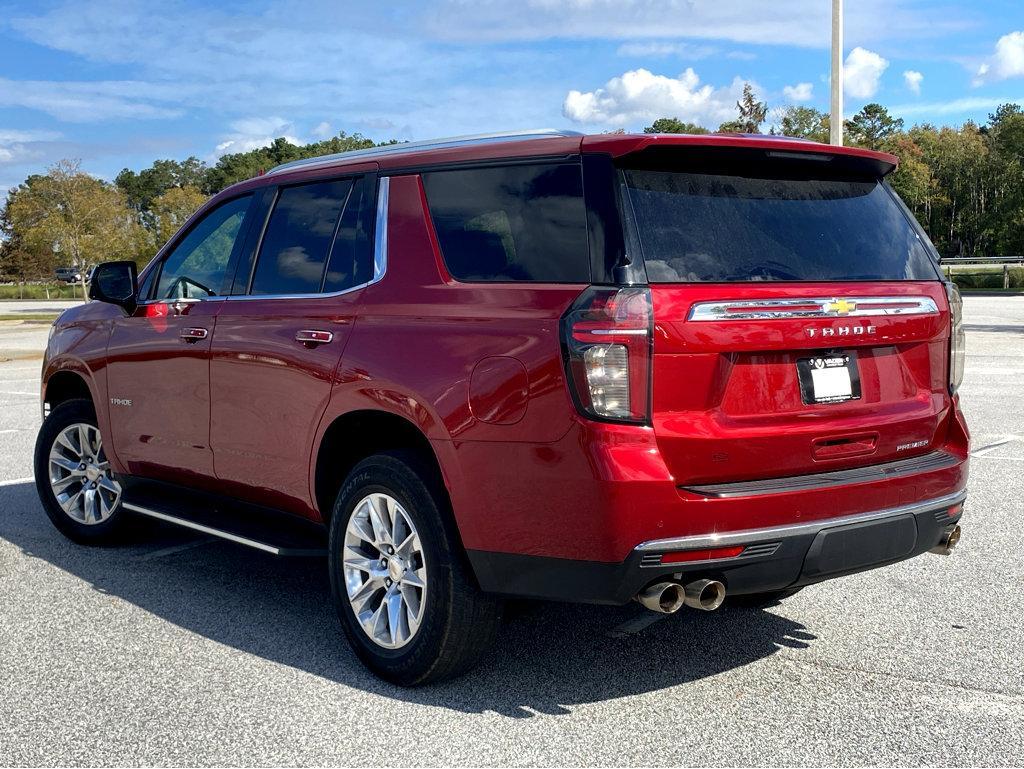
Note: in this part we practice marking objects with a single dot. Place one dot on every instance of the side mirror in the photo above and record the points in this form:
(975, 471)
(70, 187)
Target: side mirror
(116, 283)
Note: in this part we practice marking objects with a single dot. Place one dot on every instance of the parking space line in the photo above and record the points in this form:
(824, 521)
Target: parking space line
(17, 481)
(165, 551)
(993, 446)
(634, 626)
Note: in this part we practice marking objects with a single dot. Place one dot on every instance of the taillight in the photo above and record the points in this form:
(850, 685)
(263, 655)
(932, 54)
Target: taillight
(607, 336)
(957, 338)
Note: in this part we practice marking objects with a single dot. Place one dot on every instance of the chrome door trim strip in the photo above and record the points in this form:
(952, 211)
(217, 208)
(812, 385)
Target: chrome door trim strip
(749, 536)
(824, 307)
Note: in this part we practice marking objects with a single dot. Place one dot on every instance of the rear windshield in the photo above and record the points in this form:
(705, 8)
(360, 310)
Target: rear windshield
(701, 227)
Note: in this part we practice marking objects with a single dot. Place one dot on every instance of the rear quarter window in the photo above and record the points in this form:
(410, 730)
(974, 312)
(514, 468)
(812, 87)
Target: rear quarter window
(701, 227)
(511, 223)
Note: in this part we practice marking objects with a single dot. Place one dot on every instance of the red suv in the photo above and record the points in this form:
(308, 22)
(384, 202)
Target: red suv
(585, 368)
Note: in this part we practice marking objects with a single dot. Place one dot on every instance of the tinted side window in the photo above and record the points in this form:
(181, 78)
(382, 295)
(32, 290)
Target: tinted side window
(195, 268)
(515, 223)
(351, 261)
(298, 238)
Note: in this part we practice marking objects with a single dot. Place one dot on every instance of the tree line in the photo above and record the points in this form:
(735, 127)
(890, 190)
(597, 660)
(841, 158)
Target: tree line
(963, 184)
(67, 218)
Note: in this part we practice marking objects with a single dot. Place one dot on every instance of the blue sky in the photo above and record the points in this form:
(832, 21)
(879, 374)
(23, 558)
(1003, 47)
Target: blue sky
(118, 83)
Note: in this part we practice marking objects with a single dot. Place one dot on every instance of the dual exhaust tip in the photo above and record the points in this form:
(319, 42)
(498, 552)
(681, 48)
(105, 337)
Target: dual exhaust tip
(709, 594)
(670, 597)
(950, 539)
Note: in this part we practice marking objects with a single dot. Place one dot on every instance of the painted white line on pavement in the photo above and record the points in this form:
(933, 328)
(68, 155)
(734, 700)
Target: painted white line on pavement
(993, 446)
(18, 481)
(177, 548)
(635, 625)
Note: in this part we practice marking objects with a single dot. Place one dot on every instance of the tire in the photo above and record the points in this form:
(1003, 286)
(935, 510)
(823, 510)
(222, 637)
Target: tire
(94, 514)
(763, 600)
(456, 623)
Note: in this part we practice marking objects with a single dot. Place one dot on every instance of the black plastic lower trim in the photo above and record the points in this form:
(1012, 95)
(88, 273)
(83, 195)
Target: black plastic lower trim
(799, 560)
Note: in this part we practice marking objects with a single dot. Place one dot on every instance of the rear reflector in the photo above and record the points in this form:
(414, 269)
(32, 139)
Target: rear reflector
(702, 555)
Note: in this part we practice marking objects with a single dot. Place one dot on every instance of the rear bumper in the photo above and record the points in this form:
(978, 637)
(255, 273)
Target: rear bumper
(771, 558)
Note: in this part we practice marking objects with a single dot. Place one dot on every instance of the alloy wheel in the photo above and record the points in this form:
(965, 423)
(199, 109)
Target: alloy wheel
(80, 475)
(385, 571)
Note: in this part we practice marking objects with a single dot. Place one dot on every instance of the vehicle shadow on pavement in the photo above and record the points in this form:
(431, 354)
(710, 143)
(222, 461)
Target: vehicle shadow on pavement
(548, 657)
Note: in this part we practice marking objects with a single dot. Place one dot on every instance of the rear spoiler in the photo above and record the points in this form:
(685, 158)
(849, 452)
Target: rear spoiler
(621, 145)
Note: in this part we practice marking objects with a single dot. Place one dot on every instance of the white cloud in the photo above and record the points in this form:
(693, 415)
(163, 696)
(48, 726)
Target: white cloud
(322, 130)
(255, 132)
(23, 146)
(963, 106)
(862, 72)
(84, 102)
(640, 95)
(743, 21)
(799, 92)
(656, 49)
(1006, 62)
(912, 78)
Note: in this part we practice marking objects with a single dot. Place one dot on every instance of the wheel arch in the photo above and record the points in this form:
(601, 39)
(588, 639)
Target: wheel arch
(67, 384)
(355, 435)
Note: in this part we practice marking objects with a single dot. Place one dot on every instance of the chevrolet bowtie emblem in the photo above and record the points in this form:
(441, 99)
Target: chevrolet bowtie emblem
(841, 307)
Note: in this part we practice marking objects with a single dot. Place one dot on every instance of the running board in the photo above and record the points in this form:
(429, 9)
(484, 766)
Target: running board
(177, 520)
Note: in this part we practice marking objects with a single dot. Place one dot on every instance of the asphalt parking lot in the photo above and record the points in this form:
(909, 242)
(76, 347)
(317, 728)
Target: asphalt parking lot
(180, 649)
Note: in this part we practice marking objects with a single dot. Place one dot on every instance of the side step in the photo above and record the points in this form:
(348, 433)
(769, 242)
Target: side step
(267, 530)
(272, 549)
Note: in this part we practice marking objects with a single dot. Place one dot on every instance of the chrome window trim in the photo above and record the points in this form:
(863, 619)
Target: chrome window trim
(772, 309)
(380, 229)
(380, 254)
(749, 536)
(420, 146)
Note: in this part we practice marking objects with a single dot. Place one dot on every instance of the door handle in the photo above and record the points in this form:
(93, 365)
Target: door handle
(194, 334)
(313, 337)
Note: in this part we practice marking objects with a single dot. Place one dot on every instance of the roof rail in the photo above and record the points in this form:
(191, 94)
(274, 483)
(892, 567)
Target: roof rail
(429, 144)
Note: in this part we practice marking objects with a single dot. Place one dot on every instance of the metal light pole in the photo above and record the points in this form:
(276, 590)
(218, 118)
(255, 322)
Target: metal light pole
(836, 118)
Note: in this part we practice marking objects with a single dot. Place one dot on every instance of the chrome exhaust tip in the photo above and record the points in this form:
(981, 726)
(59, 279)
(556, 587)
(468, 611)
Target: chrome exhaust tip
(704, 594)
(663, 597)
(950, 539)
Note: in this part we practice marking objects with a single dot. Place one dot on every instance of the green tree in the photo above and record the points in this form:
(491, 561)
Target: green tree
(144, 187)
(752, 114)
(872, 126)
(805, 123)
(75, 217)
(171, 210)
(245, 165)
(673, 125)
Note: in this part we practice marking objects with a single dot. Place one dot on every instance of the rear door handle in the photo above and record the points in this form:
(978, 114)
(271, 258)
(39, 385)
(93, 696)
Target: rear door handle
(194, 334)
(312, 337)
